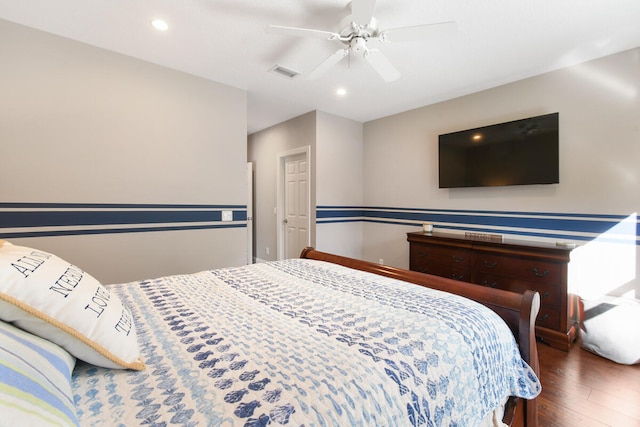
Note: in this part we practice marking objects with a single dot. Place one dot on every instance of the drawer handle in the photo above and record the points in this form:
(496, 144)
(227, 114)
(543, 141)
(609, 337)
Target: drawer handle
(422, 253)
(454, 277)
(486, 283)
(546, 294)
(545, 316)
(492, 265)
(457, 259)
(537, 273)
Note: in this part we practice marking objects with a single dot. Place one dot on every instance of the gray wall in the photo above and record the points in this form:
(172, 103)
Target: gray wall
(81, 125)
(336, 166)
(394, 161)
(339, 183)
(264, 147)
(599, 106)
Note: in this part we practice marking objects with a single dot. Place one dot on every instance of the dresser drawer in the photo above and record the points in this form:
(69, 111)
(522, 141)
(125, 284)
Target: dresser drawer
(449, 271)
(548, 318)
(550, 293)
(435, 254)
(532, 270)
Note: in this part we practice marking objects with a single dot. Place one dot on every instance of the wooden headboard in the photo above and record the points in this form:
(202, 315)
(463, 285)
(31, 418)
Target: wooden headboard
(519, 312)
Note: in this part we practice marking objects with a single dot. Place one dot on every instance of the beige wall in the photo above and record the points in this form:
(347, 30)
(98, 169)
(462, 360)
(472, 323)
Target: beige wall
(264, 147)
(83, 125)
(339, 182)
(336, 164)
(79, 124)
(599, 106)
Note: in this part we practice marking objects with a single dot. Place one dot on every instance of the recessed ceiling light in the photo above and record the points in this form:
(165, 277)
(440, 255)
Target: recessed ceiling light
(160, 24)
(341, 91)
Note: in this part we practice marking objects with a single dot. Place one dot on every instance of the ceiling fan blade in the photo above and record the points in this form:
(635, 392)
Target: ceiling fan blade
(362, 11)
(381, 64)
(418, 32)
(327, 63)
(302, 32)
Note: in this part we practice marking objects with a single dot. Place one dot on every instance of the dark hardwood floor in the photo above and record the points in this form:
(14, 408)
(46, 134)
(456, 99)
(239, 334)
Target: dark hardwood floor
(581, 389)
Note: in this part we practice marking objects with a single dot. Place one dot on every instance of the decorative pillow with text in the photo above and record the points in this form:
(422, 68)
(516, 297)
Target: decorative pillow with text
(55, 300)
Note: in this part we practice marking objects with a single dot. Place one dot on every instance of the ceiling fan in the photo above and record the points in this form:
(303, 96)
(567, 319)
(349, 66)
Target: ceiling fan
(360, 28)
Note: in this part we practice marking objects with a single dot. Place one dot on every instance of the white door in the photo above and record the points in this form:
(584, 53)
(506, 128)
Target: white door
(250, 213)
(296, 204)
(293, 207)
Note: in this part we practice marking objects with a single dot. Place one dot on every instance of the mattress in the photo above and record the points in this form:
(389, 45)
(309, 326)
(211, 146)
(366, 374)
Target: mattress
(303, 342)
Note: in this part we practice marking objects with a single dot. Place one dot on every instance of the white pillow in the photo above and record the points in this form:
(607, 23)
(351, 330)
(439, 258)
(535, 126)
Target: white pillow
(55, 300)
(609, 328)
(35, 381)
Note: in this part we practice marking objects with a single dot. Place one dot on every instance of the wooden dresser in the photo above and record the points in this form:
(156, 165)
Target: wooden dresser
(513, 265)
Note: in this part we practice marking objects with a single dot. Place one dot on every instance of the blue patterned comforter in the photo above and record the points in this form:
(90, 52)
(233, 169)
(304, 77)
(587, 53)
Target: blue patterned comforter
(302, 342)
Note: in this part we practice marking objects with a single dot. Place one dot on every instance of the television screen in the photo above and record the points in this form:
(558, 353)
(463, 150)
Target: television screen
(512, 153)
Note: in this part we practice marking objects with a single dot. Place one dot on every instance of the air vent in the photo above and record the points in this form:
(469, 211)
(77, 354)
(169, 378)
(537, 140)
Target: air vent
(284, 71)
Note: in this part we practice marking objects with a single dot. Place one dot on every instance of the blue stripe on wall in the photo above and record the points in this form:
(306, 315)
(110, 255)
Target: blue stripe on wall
(29, 205)
(535, 224)
(58, 219)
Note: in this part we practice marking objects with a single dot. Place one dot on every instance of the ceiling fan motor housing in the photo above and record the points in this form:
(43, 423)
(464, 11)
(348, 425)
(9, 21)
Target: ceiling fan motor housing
(350, 29)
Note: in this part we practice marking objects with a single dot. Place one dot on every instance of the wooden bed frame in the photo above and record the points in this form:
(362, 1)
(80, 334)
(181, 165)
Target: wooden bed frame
(519, 311)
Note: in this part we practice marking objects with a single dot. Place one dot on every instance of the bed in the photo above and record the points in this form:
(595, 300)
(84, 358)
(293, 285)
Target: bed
(322, 340)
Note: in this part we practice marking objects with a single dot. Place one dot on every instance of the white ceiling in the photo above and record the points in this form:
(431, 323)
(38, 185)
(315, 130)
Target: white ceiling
(497, 42)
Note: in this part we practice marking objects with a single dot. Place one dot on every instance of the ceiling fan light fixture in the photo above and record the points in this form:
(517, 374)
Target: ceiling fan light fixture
(283, 71)
(358, 29)
(358, 44)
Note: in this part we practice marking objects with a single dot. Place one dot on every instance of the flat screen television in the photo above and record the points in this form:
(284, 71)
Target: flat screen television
(519, 152)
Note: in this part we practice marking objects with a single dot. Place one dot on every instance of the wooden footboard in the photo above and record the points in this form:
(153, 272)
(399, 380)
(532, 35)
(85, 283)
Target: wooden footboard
(519, 311)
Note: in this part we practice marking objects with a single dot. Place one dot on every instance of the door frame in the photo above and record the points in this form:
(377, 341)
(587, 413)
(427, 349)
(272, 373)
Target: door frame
(250, 213)
(280, 196)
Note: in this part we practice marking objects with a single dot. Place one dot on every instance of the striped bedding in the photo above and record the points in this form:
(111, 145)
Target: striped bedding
(35, 387)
